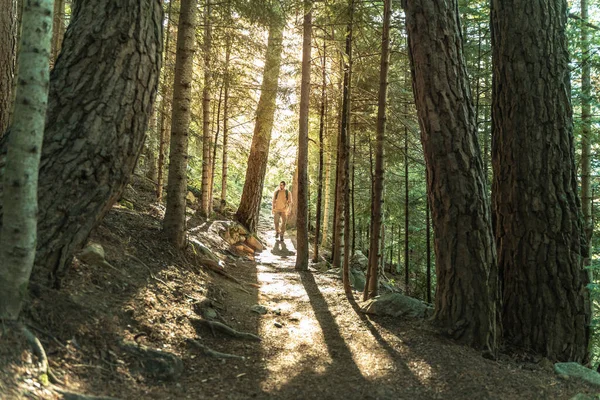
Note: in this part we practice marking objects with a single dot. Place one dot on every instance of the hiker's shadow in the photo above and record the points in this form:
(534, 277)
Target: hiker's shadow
(281, 250)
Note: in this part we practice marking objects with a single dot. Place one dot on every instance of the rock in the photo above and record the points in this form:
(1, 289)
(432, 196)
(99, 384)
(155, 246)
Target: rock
(322, 266)
(156, 364)
(204, 251)
(253, 242)
(92, 254)
(242, 248)
(359, 261)
(358, 279)
(257, 308)
(191, 198)
(577, 371)
(396, 305)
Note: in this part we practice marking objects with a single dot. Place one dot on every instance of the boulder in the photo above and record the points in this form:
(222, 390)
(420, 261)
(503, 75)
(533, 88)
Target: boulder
(573, 370)
(156, 364)
(191, 198)
(256, 244)
(259, 309)
(358, 279)
(202, 250)
(322, 266)
(359, 261)
(396, 305)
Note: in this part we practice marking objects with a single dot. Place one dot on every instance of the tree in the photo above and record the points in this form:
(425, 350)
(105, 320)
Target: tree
(58, 28)
(372, 285)
(226, 79)
(321, 153)
(586, 128)
(302, 199)
(174, 222)
(464, 242)
(248, 210)
(538, 228)
(19, 197)
(206, 200)
(100, 99)
(8, 46)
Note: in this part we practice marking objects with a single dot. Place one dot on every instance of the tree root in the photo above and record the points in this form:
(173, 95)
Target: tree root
(212, 353)
(39, 351)
(214, 266)
(214, 325)
(78, 396)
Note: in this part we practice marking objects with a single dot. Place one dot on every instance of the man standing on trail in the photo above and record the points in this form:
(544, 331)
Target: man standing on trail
(282, 199)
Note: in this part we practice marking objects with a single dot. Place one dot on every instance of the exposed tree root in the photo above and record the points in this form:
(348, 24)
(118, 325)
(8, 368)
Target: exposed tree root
(214, 266)
(39, 351)
(214, 325)
(78, 396)
(212, 353)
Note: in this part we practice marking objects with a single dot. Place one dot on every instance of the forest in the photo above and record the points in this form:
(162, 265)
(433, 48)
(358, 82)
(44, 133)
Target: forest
(441, 159)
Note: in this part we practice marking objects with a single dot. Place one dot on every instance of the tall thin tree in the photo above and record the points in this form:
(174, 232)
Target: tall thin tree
(321, 152)
(249, 207)
(302, 218)
(18, 232)
(372, 286)
(207, 143)
(174, 221)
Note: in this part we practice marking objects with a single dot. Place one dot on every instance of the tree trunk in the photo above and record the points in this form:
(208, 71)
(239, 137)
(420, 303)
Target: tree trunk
(406, 217)
(586, 131)
(302, 199)
(371, 288)
(8, 52)
(428, 251)
(100, 100)
(342, 166)
(464, 242)
(174, 221)
(327, 196)
(538, 230)
(321, 152)
(225, 124)
(58, 29)
(19, 200)
(248, 211)
(206, 201)
(164, 126)
(213, 157)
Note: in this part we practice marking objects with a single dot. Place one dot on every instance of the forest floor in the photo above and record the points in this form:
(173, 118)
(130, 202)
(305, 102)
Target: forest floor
(315, 343)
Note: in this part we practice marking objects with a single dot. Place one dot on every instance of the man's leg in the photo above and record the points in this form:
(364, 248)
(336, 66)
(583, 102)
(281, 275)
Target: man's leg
(276, 216)
(283, 223)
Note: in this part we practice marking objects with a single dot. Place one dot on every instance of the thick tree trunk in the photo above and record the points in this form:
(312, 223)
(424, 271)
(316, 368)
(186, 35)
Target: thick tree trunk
(207, 143)
(100, 100)
(8, 52)
(371, 288)
(538, 226)
(465, 302)
(20, 177)
(174, 222)
(302, 199)
(248, 211)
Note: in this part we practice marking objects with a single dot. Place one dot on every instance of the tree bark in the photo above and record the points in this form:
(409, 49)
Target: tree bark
(406, 217)
(58, 29)
(248, 211)
(302, 199)
(206, 201)
(321, 153)
(8, 53)
(174, 221)
(164, 124)
(538, 227)
(19, 198)
(465, 302)
(100, 100)
(372, 286)
(586, 131)
(327, 196)
(224, 159)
